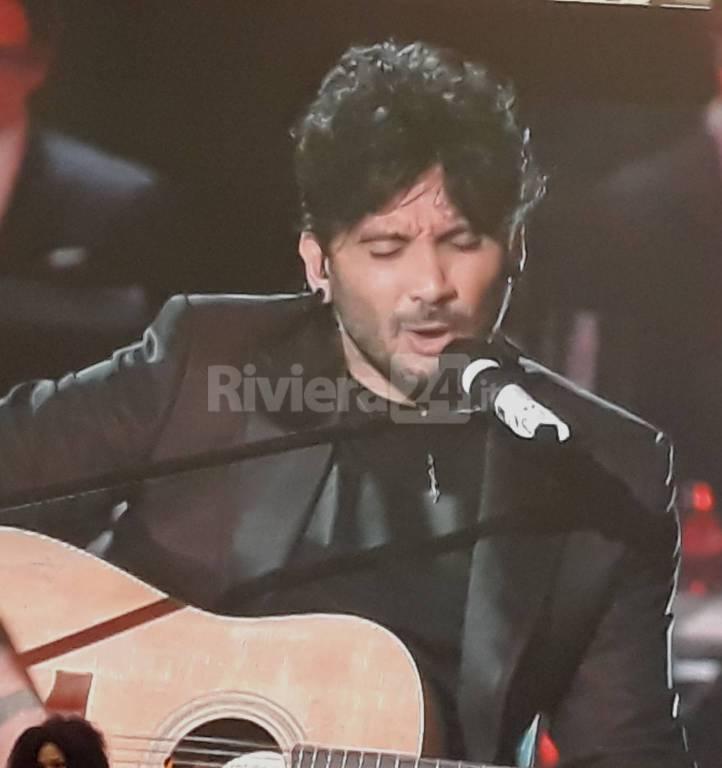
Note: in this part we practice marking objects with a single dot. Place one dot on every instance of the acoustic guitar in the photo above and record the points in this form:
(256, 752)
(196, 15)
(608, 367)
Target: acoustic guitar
(166, 682)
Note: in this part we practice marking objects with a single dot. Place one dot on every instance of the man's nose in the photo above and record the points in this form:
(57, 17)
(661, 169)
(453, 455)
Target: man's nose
(431, 283)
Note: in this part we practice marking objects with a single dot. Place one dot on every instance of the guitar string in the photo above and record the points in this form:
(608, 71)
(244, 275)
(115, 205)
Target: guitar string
(331, 753)
(239, 743)
(204, 750)
(208, 764)
(204, 764)
(193, 750)
(129, 761)
(361, 754)
(198, 739)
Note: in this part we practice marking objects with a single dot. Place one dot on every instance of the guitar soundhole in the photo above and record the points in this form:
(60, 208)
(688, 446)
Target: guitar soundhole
(220, 742)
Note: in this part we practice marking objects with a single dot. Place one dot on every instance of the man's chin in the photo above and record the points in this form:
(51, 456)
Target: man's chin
(411, 373)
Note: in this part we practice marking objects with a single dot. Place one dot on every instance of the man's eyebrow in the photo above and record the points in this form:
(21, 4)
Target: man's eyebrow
(373, 236)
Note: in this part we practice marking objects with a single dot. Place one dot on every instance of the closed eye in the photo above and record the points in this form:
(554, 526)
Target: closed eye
(390, 251)
(466, 244)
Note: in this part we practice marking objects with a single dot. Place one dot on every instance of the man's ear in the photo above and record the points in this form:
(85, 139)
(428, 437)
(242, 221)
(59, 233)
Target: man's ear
(316, 264)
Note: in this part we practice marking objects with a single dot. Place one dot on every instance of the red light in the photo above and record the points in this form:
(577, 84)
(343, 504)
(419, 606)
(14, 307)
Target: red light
(548, 752)
(701, 529)
(14, 28)
(702, 498)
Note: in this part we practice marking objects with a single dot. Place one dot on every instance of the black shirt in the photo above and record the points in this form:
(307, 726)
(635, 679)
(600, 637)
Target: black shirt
(409, 481)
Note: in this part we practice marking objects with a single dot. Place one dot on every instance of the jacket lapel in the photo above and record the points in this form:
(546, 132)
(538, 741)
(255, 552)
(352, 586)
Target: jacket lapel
(277, 492)
(511, 574)
(211, 531)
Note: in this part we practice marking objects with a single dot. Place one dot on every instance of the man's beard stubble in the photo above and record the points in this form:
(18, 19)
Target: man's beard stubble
(389, 365)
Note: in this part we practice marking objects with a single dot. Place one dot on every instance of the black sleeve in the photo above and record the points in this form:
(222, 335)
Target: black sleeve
(620, 709)
(104, 418)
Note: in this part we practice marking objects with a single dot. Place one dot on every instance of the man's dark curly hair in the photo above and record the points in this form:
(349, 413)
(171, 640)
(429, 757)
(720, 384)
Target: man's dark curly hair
(388, 112)
(82, 745)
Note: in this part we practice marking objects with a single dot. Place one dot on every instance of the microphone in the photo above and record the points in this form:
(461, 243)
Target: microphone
(492, 382)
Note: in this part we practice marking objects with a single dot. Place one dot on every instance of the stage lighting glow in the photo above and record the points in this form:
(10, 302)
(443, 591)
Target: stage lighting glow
(702, 498)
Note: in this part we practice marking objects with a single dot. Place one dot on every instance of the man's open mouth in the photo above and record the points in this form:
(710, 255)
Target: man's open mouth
(429, 340)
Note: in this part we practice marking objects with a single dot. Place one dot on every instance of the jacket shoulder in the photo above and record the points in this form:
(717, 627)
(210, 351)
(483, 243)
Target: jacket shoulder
(218, 335)
(274, 310)
(234, 329)
(233, 324)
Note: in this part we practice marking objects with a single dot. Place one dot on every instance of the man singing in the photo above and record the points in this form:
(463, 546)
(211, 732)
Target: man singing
(415, 179)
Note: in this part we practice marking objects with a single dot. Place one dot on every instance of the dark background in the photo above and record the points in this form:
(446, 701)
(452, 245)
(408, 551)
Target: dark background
(205, 90)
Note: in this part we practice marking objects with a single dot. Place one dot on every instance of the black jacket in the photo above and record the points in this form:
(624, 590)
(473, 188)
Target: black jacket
(568, 603)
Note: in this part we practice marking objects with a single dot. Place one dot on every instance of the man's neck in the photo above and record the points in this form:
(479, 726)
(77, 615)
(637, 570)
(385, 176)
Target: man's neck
(366, 373)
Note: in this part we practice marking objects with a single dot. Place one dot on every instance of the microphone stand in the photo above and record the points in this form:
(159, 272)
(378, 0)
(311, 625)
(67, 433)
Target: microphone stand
(116, 480)
(346, 562)
(283, 577)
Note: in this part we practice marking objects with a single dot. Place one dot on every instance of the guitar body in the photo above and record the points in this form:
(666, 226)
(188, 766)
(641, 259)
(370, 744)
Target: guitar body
(148, 671)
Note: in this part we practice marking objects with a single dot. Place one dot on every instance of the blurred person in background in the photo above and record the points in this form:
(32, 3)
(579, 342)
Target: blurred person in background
(89, 243)
(641, 249)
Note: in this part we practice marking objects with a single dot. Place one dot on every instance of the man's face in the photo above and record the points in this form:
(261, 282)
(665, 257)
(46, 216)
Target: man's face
(407, 280)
